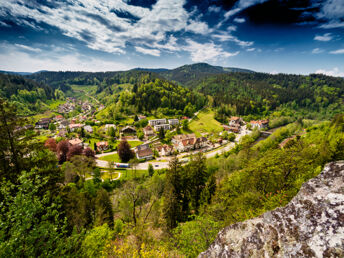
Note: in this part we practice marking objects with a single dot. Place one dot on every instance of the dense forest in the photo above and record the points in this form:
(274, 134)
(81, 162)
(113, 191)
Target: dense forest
(28, 95)
(50, 210)
(260, 93)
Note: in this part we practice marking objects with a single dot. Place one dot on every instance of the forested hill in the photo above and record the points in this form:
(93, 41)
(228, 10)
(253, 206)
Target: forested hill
(27, 94)
(63, 80)
(256, 93)
(187, 73)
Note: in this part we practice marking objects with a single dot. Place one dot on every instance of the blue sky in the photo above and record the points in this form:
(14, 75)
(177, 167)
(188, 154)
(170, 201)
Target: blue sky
(272, 36)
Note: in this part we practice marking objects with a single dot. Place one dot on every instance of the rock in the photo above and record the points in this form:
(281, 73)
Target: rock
(311, 225)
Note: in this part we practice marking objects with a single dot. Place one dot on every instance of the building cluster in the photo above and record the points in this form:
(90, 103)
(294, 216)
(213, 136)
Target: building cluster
(71, 104)
(235, 124)
(188, 142)
(260, 124)
(165, 124)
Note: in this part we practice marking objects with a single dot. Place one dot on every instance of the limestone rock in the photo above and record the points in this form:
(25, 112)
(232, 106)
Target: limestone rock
(311, 225)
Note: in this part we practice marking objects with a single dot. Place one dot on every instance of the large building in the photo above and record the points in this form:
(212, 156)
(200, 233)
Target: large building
(157, 122)
(173, 121)
(163, 126)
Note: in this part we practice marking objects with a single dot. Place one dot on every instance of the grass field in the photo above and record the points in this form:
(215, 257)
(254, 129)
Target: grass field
(111, 157)
(205, 122)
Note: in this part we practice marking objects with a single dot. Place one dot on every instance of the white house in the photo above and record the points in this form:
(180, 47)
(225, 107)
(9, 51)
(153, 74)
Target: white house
(173, 122)
(163, 126)
(88, 128)
(157, 121)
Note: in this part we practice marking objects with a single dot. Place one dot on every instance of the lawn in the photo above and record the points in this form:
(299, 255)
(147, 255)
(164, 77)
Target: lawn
(205, 122)
(111, 157)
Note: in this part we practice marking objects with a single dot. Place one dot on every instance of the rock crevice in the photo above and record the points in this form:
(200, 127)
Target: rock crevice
(311, 225)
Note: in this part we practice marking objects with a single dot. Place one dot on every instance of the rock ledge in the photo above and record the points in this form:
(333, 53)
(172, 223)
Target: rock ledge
(311, 225)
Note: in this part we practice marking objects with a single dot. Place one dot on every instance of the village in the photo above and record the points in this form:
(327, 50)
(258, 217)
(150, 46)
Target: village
(153, 141)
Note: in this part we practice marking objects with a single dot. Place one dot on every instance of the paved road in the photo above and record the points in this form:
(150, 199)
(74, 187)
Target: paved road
(164, 164)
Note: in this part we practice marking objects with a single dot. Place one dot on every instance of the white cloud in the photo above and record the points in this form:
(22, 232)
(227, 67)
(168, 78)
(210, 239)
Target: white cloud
(206, 52)
(146, 51)
(3, 24)
(317, 51)
(325, 37)
(239, 20)
(250, 49)
(332, 11)
(241, 5)
(37, 50)
(227, 37)
(96, 23)
(338, 51)
(232, 28)
(334, 72)
(214, 9)
(68, 62)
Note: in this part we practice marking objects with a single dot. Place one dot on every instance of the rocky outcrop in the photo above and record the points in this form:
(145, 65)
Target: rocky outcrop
(311, 225)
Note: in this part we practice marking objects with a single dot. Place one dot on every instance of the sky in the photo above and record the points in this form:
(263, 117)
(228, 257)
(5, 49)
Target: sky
(273, 36)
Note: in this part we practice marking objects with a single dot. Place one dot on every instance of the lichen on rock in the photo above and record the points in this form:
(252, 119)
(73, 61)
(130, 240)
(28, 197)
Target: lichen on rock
(310, 225)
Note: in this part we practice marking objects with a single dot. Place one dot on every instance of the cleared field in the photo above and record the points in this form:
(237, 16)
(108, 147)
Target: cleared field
(111, 157)
(205, 122)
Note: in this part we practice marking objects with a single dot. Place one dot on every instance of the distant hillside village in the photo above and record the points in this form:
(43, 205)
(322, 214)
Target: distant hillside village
(149, 138)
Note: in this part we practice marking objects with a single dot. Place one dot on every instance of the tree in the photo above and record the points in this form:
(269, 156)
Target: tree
(88, 152)
(185, 124)
(74, 150)
(62, 150)
(51, 144)
(111, 166)
(95, 241)
(124, 151)
(133, 164)
(172, 208)
(103, 209)
(95, 146)
(52, 127)
(136, 118)
(161, 133)
(82, 132)
(111, 132)
(150, 170)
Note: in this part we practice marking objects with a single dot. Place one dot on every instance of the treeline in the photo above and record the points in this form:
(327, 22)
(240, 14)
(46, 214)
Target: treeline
(260, 93)
(29, 96)
(151, 95)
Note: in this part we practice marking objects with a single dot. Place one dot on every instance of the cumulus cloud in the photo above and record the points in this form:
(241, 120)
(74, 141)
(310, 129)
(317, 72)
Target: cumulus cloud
(146, 51)
(206, 52)
(325, 37)
(214, 9)
(239, 20)
(317, 51)
(338, 51)
(331, 13)
(334, 72)
(107, 25)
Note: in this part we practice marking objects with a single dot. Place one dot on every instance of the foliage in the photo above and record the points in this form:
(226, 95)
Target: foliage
(124, 151)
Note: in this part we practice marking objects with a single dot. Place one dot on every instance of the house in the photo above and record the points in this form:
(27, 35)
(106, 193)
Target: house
(260, 124)
(235, 128)
(188, 142)
(43, 123)
(173, 122)
(73, 127)
(235, 120)
(128, 130)
(75, 141)
(226, 127)
(141, 117)
(148, 131)
(59, 118)
(157, 122)
(102, 146)
(63, 124)
(165, 150)
(108, 126)
(144, 152)
(62, 133)
(165, 127)
(88, 128)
